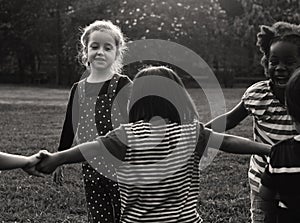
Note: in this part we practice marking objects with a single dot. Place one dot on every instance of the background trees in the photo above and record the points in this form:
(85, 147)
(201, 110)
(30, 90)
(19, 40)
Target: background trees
(39, 38)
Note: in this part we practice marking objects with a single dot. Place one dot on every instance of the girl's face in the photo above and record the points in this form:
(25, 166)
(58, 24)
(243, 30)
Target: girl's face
(284, 59)
(101, 50)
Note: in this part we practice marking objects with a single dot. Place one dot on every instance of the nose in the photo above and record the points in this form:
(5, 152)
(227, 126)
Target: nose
(100, 51)
(280, 67)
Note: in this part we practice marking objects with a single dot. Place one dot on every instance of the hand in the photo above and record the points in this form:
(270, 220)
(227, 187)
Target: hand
(48, 163)
(32, 161)
(58, 175)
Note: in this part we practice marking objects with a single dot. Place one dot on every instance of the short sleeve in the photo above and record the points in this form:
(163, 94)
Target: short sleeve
(115, 143)
(257, 98)
(203, 136)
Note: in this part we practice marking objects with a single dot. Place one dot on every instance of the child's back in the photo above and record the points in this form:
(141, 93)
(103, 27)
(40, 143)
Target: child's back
(159, 178)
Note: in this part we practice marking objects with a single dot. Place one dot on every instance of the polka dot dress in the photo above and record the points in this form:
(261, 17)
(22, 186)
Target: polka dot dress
(102, 193)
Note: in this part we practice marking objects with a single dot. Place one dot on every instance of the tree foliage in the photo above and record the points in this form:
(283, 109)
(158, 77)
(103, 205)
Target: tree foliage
(223, 32)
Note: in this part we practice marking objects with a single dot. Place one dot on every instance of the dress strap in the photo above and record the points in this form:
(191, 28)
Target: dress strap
(81, 90)
(113, 84)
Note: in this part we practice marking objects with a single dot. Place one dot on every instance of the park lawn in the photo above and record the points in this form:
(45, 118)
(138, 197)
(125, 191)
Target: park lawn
(31, 119)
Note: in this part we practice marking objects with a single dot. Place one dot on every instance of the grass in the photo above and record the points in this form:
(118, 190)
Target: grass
(31, 119)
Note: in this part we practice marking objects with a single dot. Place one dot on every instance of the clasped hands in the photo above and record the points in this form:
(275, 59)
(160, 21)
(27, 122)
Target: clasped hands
(41, 163)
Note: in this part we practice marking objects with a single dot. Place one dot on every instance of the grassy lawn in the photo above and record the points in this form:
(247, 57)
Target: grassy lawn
(31, 119)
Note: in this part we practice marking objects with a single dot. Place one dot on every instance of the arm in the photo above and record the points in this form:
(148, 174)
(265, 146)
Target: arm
(70, 122)
(235, 144)
(72, 155)
(232, 118)
(69, 127)
(266, 193)
(11, 161)
(86, 151)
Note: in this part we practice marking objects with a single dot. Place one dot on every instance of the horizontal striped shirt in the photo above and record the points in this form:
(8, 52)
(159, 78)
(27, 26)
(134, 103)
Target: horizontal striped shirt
(271, 123)
(282, 174)
(159, 176)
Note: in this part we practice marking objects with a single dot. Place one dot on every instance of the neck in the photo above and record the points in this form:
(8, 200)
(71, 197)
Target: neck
(99, 76)
(279, 93)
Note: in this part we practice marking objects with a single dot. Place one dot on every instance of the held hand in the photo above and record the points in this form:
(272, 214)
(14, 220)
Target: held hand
(58, 175)
(33, 161)
(48, 163)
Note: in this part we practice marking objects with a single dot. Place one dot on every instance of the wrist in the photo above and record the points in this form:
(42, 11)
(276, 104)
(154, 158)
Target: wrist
(26, 163)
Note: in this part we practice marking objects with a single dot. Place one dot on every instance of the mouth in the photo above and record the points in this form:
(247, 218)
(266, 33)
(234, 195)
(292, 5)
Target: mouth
(100, 59)
(281, 81)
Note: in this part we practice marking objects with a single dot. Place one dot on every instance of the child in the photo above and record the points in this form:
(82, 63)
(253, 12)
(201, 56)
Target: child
(27, 163)
(282, 175)
(90, 114)
(280, 45)
(160, 151)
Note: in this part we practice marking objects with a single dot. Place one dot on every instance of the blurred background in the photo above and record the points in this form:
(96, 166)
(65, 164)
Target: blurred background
(39, 39)
(39, 42)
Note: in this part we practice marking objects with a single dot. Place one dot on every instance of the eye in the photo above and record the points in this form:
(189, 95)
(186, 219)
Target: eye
(94, 46)
(273, 62)
(108, 47)
(290, 62)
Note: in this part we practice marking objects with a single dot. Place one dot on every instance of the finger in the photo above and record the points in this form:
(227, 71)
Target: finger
(34, 172)
(57, 178)
(43, 154)
(37, 174)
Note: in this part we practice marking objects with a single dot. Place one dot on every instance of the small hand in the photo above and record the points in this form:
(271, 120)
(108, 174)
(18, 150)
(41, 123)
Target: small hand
(58, 175)
(48, 163)
(33, 161)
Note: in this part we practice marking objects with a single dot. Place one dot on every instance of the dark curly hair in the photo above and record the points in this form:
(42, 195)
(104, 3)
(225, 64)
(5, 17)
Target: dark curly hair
(279, 31)
(292, 93)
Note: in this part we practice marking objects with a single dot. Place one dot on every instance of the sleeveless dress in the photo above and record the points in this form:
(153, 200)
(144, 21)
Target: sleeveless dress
(95, 119)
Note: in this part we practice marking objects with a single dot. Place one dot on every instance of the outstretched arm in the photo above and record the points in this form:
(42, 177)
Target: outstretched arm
(11, 161)
(236, 144)
(232, 119)
(72, 155)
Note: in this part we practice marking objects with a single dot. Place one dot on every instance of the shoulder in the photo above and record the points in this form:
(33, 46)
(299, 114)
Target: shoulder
(283, 153)
(74, 86)
(259, 98)
(73, 90)
(282, 146)
(123, 79)
(260, 87)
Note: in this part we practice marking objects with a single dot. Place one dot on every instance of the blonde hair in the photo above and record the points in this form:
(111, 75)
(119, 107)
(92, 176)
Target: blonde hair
(114, 31)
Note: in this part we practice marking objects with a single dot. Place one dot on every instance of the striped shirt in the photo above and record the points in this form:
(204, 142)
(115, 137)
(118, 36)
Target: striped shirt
(159, 177)
(282, 174)
(271, 123)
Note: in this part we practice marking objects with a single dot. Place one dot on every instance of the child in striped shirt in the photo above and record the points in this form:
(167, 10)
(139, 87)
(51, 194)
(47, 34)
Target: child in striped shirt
(157, 154)
(281, 179)
(264, 101)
